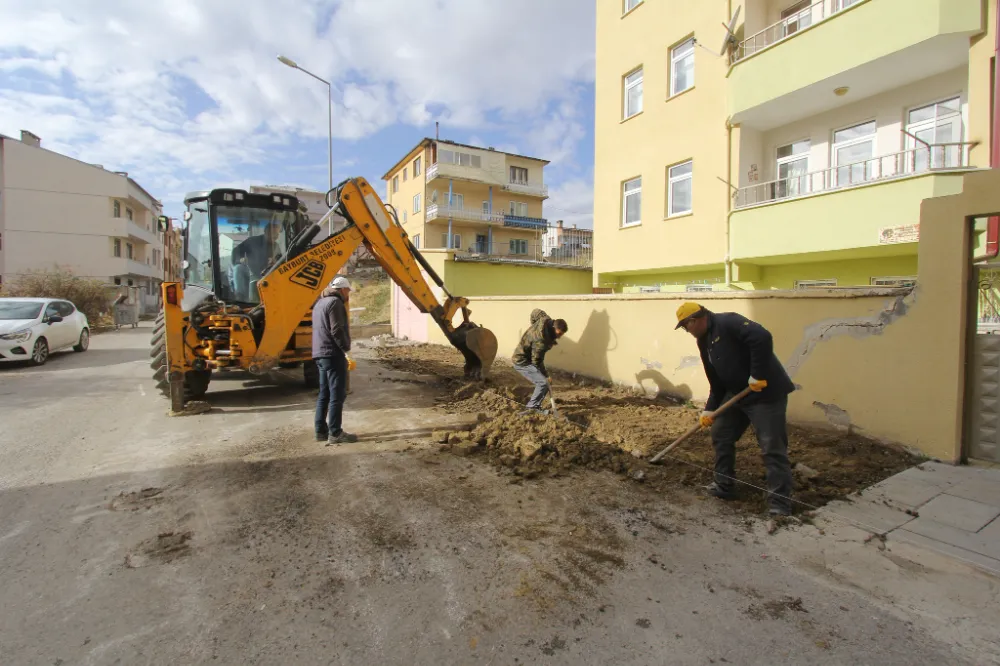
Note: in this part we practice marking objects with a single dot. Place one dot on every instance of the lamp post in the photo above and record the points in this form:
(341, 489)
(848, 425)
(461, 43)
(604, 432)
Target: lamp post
(329, 98)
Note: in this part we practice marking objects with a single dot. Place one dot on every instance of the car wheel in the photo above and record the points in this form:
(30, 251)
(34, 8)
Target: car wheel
(84, 341)
(40, 352)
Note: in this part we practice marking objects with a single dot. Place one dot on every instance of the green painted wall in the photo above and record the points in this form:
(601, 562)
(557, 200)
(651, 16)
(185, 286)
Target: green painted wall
(485, 279)
(848, 273)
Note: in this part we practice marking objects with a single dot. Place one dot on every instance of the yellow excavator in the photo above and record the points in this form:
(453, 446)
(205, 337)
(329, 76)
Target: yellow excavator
(252, 274)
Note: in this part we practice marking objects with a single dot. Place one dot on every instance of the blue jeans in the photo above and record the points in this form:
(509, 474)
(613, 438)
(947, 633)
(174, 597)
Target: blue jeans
(535, 376)
(332, 393)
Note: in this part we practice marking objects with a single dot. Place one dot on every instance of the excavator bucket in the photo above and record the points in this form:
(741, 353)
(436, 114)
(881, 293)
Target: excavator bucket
(479, 347)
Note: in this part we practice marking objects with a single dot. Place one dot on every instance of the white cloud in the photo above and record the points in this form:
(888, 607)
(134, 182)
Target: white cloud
(172, 90)
(572, 201)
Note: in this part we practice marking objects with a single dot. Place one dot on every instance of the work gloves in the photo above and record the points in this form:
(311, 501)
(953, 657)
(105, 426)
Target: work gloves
(707, 419)
(757, 385)
(351, 364)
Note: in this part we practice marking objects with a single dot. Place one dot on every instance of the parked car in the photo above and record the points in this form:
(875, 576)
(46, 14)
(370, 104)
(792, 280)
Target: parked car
(32, 328)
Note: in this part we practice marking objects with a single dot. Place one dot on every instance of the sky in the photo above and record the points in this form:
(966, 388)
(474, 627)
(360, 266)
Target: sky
(189, 94)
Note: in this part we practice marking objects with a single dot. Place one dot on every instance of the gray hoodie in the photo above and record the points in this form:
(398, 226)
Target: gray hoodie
(330, 326)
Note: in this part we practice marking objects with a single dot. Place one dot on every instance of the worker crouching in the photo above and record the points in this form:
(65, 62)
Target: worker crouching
(529, 356)
(737, 353)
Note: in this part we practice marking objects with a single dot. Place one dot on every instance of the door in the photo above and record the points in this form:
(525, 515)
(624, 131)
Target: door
(57, 333)
(984, 383)
(481, 244)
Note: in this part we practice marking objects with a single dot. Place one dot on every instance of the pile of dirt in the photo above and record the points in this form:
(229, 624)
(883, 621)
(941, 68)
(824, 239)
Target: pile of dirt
(613, 428)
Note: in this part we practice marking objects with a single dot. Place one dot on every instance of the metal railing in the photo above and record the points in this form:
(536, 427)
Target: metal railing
(788, 26)
(523, 252)
(915, 161)
(435, 211)
(526, 189)
(432, 172)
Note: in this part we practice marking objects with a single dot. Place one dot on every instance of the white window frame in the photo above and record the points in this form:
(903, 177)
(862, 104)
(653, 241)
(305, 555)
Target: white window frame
(886, 281)
(629, 5)
(823, 283)
(456, 244)
(487, 209)
(416, 167)
(395, 184)
(626, 193)
(913, 128)
(116, 209)
(698, 287)
(796, 17)
(416, 203)
(521, 242)
(116, 250)
(416, 241)
(457, 201)
(516, 171)
(675, 58)
(791, 159)
(673, 180)
(626, 87)
(835, 148)
(404, 216)
(515, 206)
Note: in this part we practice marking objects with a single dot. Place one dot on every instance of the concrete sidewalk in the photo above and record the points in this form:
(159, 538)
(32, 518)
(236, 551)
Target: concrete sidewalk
(953, 510)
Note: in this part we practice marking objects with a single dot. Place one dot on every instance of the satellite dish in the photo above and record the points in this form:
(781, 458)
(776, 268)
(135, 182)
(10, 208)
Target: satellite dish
(730, 32)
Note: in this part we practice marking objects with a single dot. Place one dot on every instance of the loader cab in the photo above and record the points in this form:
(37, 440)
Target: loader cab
(234, 238)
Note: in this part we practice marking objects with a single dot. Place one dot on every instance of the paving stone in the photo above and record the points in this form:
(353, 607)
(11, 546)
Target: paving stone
(958, 512)
(866, 514)
(903, 490)
(984, 490)
(932, 529)
(991, 534)
(989, 564)
(941, 474)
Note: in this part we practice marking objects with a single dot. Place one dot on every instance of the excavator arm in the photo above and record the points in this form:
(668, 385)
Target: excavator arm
(293, 285)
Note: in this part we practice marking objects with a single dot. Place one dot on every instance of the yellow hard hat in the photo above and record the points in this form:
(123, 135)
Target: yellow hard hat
(685, 311)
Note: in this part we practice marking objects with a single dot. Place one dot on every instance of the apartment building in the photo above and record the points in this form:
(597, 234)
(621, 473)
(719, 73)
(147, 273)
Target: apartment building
(477, 201)
(56, 210)
(792, 153)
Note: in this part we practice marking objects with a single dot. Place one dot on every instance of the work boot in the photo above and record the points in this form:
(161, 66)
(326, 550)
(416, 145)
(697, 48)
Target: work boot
(715, 490)
(343, 438)
(776, 511)
(533, 411)
(322, 436)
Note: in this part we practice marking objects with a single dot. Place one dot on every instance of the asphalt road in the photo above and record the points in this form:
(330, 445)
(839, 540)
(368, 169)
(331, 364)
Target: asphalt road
(129, 537)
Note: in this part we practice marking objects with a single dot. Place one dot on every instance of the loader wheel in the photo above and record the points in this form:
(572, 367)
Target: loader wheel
(311, 374)
(195, 381)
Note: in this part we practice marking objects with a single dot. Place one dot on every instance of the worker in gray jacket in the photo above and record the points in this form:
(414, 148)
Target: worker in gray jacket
(330, 343)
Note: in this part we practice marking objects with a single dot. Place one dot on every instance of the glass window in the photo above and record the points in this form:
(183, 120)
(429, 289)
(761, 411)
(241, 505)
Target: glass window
(518, 246)
(796, 17)
(457, 201)
(395, 184)
(682, 67)
(456, 241)
(792, 167)
(680, 183)
(404, 217)
(416, 241)
(416, 203)
(633, 93)
(519, 208)
(129, 251)
(118, 247)
(251, 240)
(128, 213)
(64, 308)
(19, 310)
(117, 208)
(404, 174)
(416, 167)
(853, 150)
(629, 5)
(939, 126)
(518, 175)
(632, 202)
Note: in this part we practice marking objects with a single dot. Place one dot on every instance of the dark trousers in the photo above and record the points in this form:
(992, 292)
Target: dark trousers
(332, 393)
(768, 421)
(535, 376)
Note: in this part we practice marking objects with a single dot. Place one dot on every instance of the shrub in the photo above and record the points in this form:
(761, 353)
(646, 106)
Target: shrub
(90, 296)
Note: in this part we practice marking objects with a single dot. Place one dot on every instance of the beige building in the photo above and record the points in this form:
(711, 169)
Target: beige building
(56, 210)
(478, 201)
(793, 154)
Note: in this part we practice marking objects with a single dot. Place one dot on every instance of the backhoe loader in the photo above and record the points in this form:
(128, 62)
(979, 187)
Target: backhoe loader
(252, 274)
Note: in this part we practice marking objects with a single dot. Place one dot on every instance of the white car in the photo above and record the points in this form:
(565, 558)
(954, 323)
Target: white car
(33, 328)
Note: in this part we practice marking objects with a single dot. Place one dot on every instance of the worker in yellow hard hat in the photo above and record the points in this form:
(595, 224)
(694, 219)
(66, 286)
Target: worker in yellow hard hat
(737, 353)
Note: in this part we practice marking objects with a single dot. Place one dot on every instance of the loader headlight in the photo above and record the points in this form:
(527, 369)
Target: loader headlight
(17, 336)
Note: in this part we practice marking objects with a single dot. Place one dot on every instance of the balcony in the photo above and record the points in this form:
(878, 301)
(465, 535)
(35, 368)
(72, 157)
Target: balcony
(439, 212)
(132, 267)
(790, 70)
(527, 190)
(134, 231)
(849, 211)
(457, 172)
(514, 252)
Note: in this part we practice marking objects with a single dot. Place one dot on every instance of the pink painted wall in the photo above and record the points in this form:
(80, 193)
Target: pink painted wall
(407, 320)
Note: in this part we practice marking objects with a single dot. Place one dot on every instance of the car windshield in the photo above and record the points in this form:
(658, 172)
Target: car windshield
(250, 242)
(19, 310)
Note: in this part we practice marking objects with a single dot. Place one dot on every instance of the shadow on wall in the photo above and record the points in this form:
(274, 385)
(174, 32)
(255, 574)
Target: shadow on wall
(588, 354)
(664, 387)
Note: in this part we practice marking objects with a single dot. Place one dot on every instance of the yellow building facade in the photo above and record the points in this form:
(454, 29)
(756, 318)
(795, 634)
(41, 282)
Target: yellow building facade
(794, 152)
(477, 201)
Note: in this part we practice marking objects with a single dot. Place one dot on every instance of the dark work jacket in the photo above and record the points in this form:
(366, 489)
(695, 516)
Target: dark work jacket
(331, 335)
(735, 349)
(536, 342)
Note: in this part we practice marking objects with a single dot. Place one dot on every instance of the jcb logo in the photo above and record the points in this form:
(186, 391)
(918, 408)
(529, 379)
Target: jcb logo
(310, 274)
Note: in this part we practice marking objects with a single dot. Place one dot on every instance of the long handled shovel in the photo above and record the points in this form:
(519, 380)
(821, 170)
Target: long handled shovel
(726, 405)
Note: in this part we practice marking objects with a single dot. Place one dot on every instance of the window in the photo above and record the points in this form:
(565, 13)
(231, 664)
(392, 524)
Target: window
(633, 93)
(682, 67)
(117, 206)
(518, 175)
(416, 167)
(518, 246)
(792, 167)
(130, 283)
(395, 184)
(853, 149)
(64, 308)
(128, 213)
(796, 17)
(632, 202)
(816, 284)
(129, 251)
(519, 209)
(629, 5)
(118, 281)
(416, 203)
(416, 241)
(893, 281)
(404, 217)
(404, 174)
(461, 159)
(698, 287)
(456, 241)
(118, 247)
(487, 209)
(935, 124)
(680, 180)
(457, 201)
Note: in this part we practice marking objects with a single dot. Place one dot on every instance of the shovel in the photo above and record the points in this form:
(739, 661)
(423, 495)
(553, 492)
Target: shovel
(726, 405)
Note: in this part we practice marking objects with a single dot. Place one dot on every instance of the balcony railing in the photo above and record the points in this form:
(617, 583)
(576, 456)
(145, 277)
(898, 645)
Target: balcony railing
(432, 172)
(435, 211)
(788, 26)
(925, 159)
(581, 256)
(526, 189)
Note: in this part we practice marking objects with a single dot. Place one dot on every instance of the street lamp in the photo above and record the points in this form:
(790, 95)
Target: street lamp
(329, 98)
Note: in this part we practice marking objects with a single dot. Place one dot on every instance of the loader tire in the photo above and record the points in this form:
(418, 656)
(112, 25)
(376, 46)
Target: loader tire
(195, 381)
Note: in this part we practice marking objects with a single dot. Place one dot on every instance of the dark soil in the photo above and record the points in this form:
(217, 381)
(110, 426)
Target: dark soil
(608, 427)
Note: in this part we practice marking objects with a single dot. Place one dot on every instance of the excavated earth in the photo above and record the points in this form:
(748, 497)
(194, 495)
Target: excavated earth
(607, 427)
